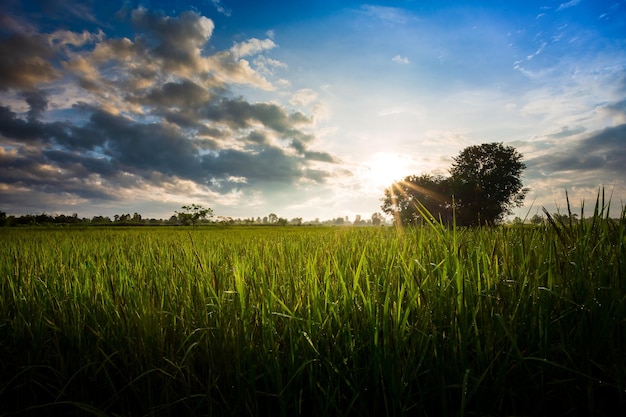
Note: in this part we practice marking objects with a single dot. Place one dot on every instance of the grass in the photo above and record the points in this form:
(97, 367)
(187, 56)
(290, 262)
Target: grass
(315, 321)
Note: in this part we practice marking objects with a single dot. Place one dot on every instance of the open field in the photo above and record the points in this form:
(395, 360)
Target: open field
(314, 321)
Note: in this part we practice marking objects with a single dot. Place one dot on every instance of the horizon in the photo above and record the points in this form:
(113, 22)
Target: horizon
(302, 110)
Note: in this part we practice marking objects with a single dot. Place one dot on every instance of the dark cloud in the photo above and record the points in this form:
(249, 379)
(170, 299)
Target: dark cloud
(26, 62)
(320, 156)
(617, 107)
(565, 131)
(240, 114)
(37, 101)
(184, 93)
(267, 165)
(175, 41)
(602, 151)
(112, 146)
(29, 131)
(37, 171)
(154, 111)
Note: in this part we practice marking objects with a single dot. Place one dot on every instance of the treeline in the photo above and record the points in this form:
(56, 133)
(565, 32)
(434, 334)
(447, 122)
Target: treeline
(137, 219)
(63, 219)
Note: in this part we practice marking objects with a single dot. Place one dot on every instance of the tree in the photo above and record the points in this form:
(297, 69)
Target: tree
(377, 219)
(483, 187)
(272, 217)
(536, 219)
(193, 213)
(406, 200)
(486, 183)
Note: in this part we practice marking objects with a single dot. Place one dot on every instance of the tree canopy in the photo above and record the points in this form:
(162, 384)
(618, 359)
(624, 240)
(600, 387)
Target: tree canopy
(484, 185)
(191, 214)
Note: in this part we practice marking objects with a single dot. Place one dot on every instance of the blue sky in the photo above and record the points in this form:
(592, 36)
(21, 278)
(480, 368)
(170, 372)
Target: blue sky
(303, 109)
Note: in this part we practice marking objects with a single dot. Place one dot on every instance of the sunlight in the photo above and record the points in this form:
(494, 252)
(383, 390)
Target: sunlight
(384, 168)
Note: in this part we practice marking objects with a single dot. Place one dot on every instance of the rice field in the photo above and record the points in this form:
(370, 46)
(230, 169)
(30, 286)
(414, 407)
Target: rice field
(284, 321)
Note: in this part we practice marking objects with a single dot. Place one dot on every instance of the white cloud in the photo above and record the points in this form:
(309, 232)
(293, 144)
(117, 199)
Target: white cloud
(401, 60)
(388, 14)
(537, 52)
(251, 47)
(220, 8)
(303, 97)
(569, 4)
(267, 65)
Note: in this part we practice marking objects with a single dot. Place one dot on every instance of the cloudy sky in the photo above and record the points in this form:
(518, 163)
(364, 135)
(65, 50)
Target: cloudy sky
(301, 108)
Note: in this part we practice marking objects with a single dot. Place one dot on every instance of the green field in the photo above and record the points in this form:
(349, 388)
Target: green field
(314, 321)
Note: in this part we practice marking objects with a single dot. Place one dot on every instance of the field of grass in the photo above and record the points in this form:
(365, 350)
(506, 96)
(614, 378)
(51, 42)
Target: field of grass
(314, 321)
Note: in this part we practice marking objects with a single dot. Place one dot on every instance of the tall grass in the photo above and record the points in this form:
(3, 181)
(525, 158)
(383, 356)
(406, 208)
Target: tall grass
(315, 321)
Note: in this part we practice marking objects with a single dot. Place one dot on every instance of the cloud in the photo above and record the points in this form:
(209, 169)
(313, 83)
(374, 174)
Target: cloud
(148, 111)
(537, 52)
(30, 64)
(393, 15)
(221, 9)
(267, 66)
(37, 101)
(251, 47)
(401, 60)
(565, 132)
(175, 42)
(303, 97)
(567, 5)
(601, 153)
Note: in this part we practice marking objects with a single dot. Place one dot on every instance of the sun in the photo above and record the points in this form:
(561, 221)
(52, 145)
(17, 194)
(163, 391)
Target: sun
(384, 168)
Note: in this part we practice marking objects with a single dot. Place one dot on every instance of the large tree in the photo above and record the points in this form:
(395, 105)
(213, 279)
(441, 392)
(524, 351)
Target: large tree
(483, 187)
(486, 183)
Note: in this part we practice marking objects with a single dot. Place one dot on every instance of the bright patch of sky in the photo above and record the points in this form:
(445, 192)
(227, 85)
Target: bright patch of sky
(303, 109)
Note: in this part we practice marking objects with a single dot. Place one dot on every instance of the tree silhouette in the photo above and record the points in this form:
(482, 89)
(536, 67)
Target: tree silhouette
(484, 186)
(406, 200)
(486, 183)
(193, 213)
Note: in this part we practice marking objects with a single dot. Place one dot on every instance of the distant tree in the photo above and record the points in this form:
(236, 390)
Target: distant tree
(225, 220)
(518, 221)
(191, 214)
(565, 219)
(136, 218)
(536, 219)
(100, 220)
(296, 221)
(377, 219)
(272, 218)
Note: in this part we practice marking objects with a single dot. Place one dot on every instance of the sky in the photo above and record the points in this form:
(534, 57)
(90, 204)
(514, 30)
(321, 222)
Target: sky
(302, 108)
